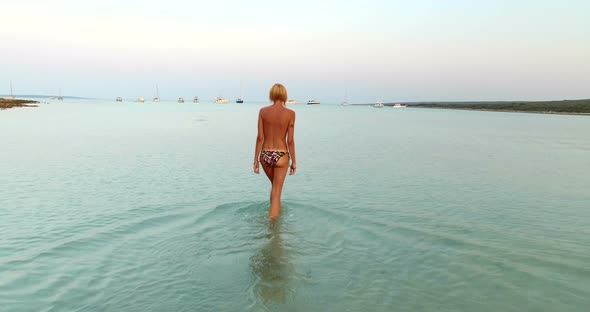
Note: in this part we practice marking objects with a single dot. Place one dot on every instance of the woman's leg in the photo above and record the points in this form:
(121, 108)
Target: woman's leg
(268, 170)
(269, 173)
(278, 178)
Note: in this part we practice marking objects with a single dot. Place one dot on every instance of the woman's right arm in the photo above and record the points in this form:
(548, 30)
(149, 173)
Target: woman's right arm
(259, 141)
(291, 145)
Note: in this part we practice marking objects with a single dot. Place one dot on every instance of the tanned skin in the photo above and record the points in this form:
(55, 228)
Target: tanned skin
(276, 126)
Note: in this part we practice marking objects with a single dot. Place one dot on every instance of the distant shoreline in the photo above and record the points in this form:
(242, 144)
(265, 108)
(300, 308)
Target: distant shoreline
(565, 107)
(11, 103)
(505, 111)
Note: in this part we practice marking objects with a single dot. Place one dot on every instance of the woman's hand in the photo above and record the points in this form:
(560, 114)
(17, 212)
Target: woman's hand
(292, 171)
(257, 167)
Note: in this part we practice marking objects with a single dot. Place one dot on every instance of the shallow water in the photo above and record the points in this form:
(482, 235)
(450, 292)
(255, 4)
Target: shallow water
(153, 207)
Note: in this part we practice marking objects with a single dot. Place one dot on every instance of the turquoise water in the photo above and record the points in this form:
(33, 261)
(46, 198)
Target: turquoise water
(110, 206)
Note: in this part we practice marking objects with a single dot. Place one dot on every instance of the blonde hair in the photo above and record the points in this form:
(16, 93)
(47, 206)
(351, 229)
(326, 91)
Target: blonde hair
(278, 92)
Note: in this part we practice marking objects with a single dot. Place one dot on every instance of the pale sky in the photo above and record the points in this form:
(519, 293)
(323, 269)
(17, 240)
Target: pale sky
(377, 50)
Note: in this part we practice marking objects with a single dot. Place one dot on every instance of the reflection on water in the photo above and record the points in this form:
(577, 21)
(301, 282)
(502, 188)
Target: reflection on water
(271, 265)
(460, 211)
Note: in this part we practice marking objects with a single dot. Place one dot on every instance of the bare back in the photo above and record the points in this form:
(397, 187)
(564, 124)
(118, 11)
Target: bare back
(275, 145)
(275, 121)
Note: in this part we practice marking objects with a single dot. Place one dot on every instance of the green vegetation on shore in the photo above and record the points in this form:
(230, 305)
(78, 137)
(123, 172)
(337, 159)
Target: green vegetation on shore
(8, 103)
(548, 107)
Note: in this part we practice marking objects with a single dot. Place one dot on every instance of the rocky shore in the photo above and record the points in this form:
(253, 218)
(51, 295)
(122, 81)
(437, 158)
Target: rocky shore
(10, 103)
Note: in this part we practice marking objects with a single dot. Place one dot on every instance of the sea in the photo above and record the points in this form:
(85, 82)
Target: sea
(108, 206)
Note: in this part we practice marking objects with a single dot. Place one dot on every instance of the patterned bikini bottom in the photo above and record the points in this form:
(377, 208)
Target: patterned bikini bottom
(270, 158)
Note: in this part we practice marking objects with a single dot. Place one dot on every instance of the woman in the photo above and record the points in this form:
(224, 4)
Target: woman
(276, 125)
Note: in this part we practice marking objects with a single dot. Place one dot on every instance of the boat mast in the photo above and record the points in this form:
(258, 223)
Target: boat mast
(157, 91)
(345, 101)
(11, 89)
(346, 95)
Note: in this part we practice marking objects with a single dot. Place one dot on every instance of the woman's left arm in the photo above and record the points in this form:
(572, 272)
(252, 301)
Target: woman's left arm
(291, 144)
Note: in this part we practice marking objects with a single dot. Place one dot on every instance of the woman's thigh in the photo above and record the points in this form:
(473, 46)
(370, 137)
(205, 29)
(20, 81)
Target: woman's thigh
(269, 171)
(280, 171)
(280, 168)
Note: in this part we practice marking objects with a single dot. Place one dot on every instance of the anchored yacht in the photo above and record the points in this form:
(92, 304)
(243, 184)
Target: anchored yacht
(220, 100)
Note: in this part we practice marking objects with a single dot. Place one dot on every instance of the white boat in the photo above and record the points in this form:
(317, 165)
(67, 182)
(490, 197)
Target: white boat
(180, 100)
(119, 99)
(378, 105)
(196, 99)
(292, 102)
(313, 102)
(399, 106)
(220, 100)
(11, 97)
(157, 98)
(141, 99)
(52, 97)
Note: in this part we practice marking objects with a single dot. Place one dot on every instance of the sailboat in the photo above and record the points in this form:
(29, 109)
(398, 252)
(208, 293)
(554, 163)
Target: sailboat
(196, 99)
(11, 97)
(241, 99)
(345, 102)
(157, 98)
(59, 97)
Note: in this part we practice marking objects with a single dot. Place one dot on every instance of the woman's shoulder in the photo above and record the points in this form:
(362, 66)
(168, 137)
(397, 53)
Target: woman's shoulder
(273, 110)
(263, 109)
